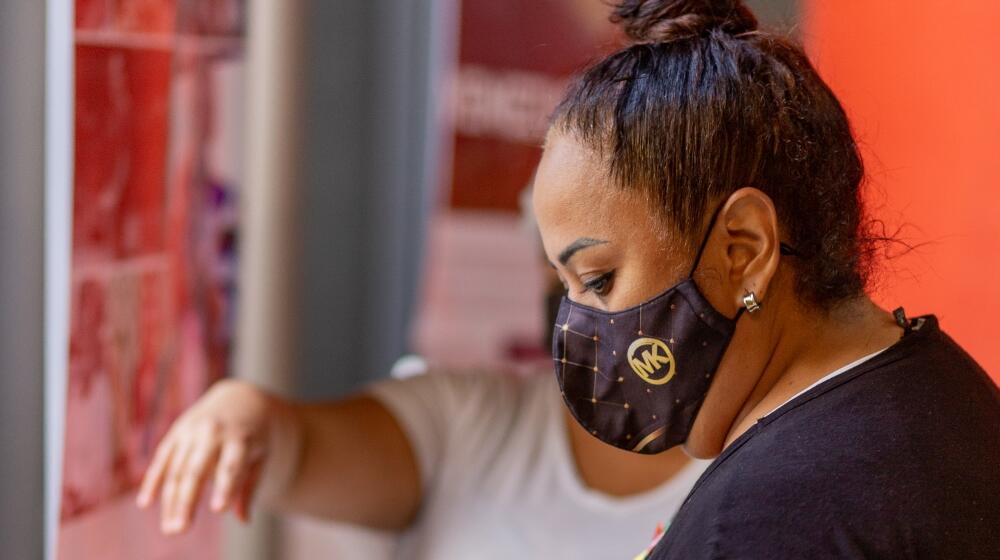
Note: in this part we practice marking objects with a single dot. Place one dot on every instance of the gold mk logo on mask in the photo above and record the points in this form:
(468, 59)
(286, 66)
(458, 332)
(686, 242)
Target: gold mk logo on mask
(649, 357)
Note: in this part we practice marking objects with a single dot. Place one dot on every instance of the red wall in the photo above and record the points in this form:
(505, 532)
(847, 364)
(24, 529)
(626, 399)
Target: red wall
(158, 92)
(921, 83)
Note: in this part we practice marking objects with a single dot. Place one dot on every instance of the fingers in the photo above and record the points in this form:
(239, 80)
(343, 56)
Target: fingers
(213, 438)
(169, 522)
(153, 478)
(229, 473)
(196, 470)
(247, 490)
(181, 466)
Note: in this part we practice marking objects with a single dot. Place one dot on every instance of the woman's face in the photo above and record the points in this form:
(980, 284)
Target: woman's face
(612, 250)
(609, 247)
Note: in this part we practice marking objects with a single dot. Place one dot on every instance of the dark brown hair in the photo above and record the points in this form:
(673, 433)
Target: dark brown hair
(702, 103)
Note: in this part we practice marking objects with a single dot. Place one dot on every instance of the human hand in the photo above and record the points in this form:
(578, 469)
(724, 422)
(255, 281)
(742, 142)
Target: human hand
(228, 436)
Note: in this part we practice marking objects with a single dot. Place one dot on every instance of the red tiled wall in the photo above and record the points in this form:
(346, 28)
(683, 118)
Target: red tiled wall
(152, 274)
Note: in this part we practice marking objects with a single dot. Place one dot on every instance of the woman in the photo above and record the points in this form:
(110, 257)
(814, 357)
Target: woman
(699, 198)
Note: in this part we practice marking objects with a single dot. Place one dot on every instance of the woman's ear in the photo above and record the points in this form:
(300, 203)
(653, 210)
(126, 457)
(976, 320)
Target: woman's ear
(750, 223)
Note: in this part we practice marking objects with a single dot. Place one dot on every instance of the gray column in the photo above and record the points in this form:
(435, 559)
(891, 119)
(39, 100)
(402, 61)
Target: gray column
(373, 84)
(268, 295)
(22, 66)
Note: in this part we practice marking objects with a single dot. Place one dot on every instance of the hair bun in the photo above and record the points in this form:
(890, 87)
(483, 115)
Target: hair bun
(661, 21)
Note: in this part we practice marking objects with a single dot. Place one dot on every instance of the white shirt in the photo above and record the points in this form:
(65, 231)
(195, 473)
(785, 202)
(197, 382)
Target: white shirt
(499, 478)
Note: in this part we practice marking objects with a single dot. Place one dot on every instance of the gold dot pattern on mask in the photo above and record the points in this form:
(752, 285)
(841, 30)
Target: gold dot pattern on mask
(566, 365)
(594, 368)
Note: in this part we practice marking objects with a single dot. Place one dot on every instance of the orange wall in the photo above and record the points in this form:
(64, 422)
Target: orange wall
(921, 83)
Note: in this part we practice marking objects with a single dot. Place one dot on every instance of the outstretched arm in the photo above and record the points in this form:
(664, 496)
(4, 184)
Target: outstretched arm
(346, 460)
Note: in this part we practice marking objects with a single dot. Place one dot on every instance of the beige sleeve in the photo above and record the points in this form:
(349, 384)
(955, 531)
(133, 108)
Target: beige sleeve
(430, 408)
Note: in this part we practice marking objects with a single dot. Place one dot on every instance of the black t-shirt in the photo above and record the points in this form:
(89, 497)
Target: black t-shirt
(898, 457)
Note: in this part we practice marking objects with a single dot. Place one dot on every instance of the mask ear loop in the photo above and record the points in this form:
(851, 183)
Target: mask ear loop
(704, 240)
(783, 248)
(701, 249)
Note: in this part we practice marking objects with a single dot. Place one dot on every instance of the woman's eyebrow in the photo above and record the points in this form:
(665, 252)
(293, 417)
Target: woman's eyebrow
(581, 243)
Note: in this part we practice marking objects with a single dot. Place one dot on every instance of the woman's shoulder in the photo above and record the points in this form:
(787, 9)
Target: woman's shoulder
(907, 441)
(923, 385)
(849, 478)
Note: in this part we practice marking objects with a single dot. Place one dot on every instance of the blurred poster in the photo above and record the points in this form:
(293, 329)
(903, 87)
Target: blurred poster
(157, 145)
(514, 61)
(485, 277)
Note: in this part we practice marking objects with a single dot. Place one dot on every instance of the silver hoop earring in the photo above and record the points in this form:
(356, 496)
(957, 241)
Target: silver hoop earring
(750, 302)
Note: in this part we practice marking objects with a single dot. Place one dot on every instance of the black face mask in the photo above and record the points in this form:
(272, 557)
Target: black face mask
(636, 378)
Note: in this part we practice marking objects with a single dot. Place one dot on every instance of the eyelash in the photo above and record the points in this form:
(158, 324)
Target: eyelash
(600, 285)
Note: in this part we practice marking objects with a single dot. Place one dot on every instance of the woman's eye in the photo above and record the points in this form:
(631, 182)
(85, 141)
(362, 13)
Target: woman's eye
(601, 285)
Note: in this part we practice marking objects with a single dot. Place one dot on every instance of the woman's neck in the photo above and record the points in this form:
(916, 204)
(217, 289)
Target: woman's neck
(811, 345)
(615, 472)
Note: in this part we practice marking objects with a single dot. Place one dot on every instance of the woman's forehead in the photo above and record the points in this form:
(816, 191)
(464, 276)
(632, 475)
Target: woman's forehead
(570, 203)
(574, 197)
(570, 182)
